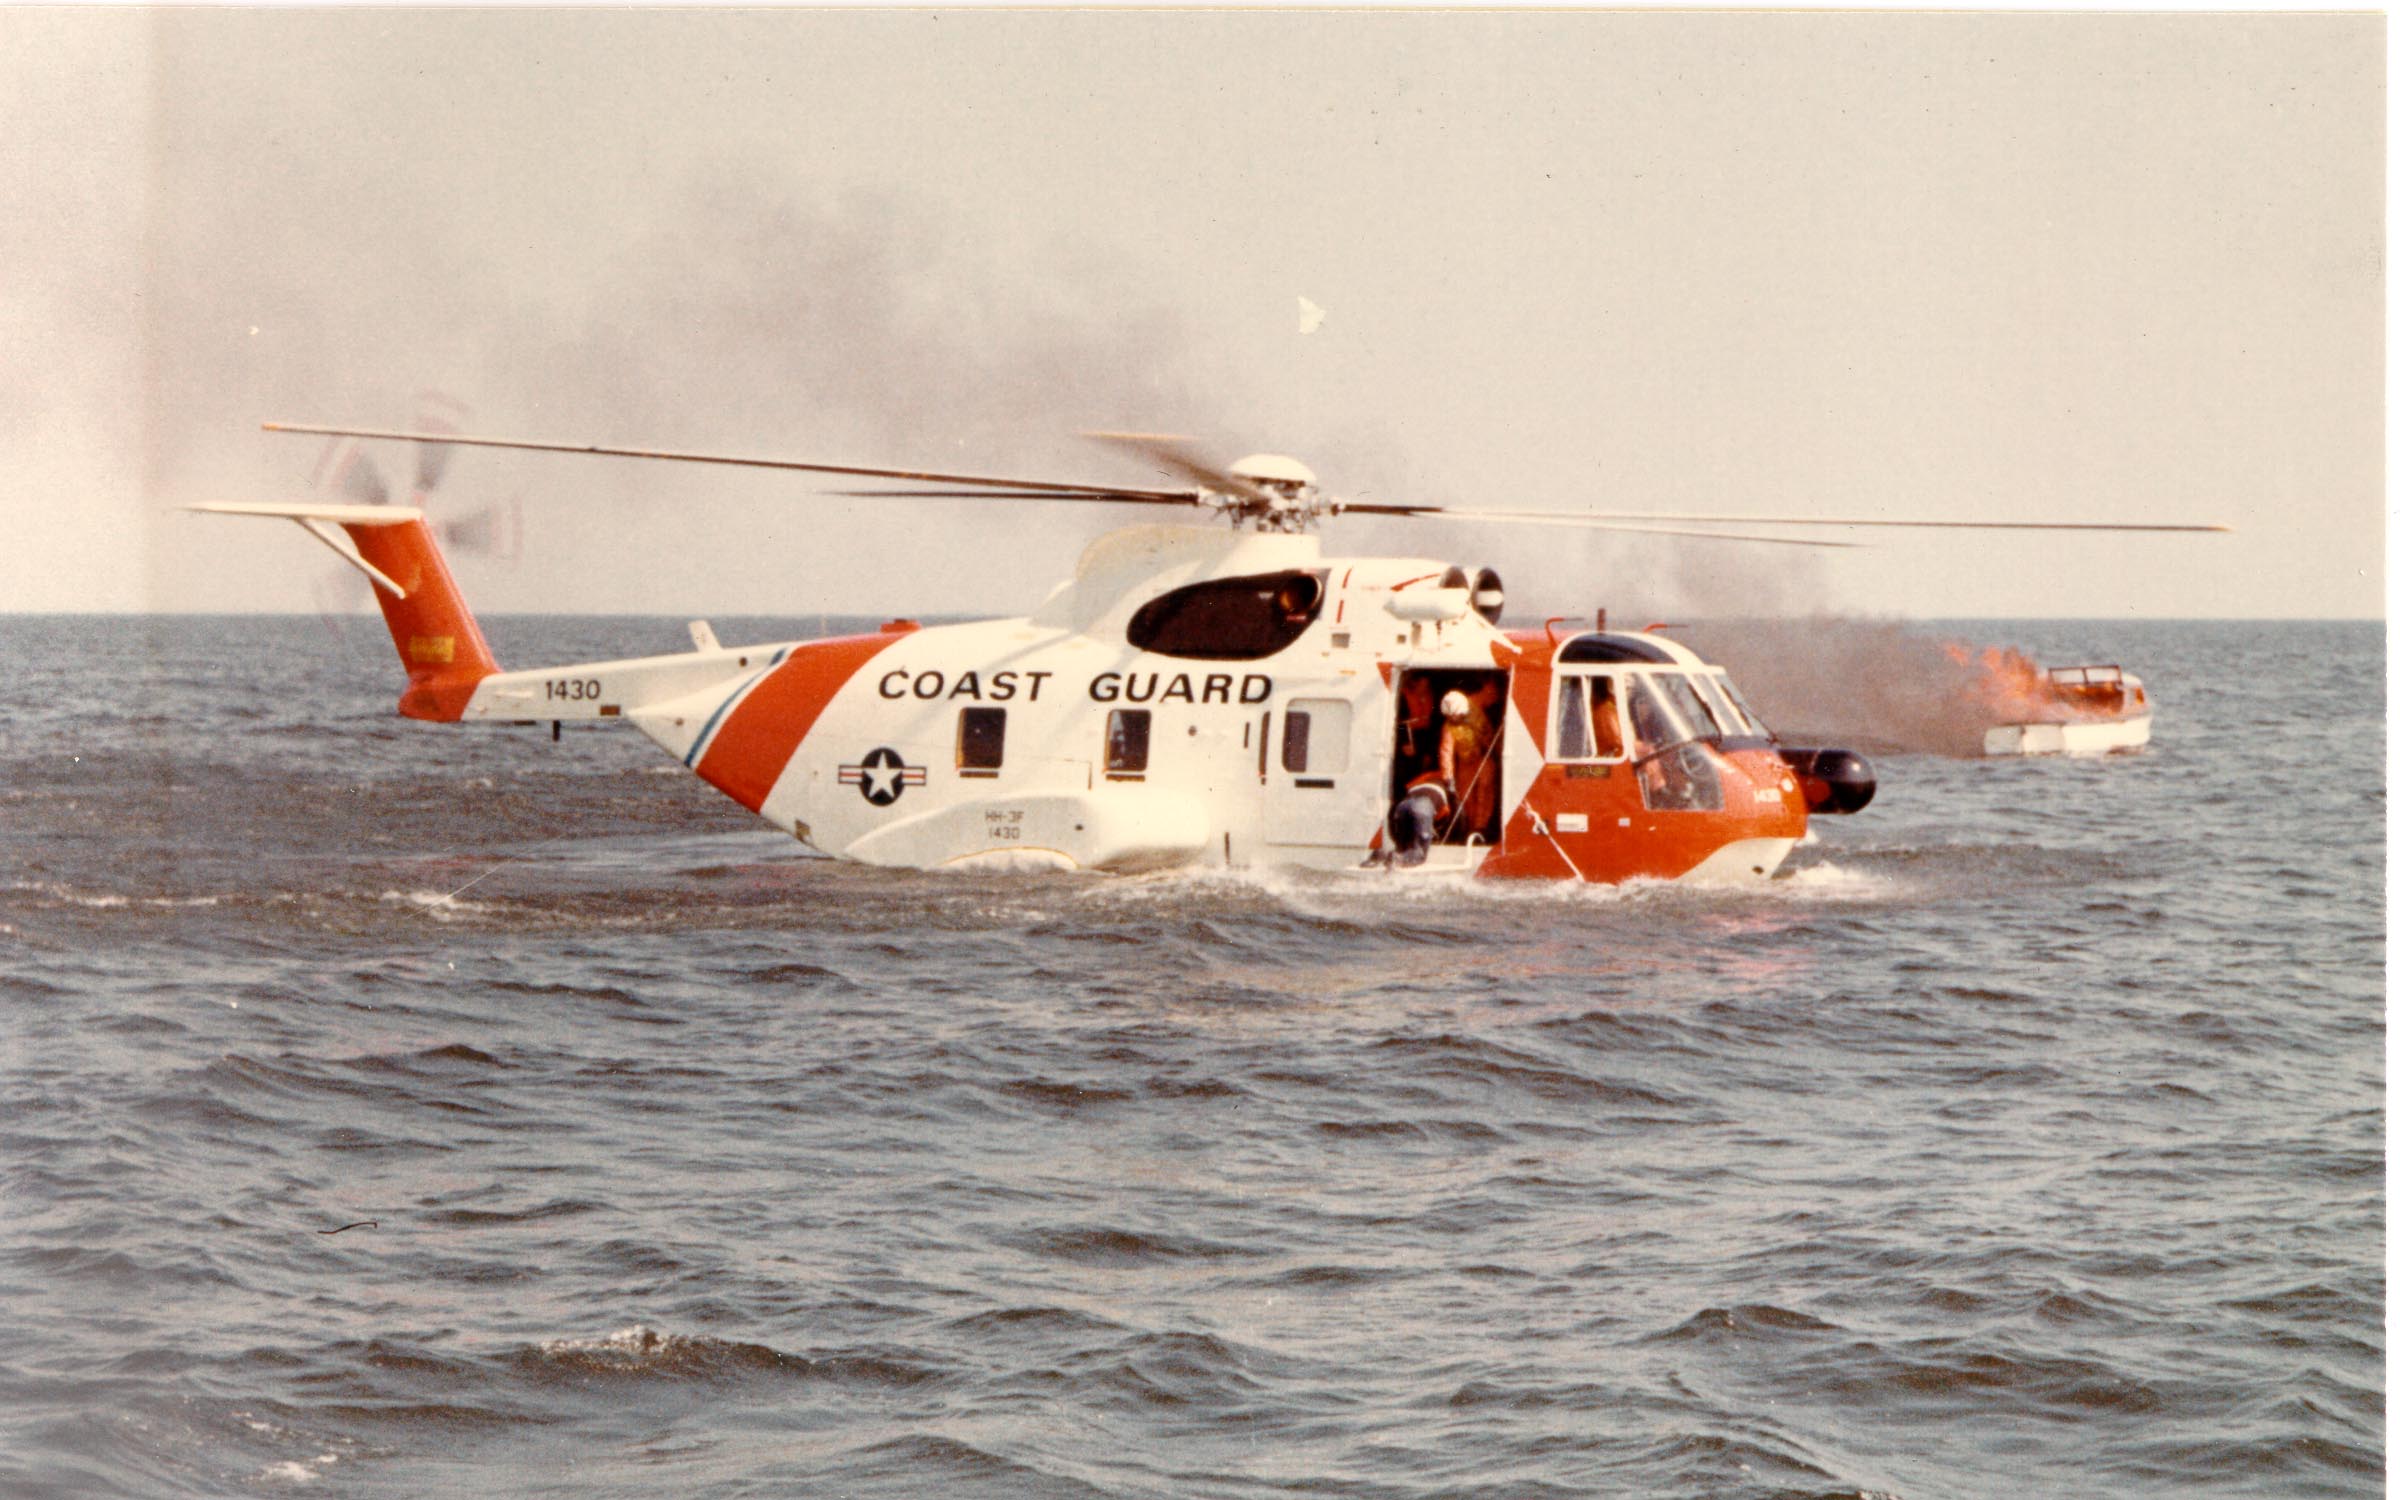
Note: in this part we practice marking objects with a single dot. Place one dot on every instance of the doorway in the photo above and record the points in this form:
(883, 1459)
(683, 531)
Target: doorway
(1416, 745)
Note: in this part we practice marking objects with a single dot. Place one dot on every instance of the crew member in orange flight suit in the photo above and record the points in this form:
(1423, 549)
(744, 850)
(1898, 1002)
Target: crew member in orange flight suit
(1466, 753)
(1608, 738)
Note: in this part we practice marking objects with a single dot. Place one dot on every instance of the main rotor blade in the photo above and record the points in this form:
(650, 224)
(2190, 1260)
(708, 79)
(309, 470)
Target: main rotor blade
(1160, 448)
(599, 450)
(1101, 497)
(1540, 517)
(1581, 523)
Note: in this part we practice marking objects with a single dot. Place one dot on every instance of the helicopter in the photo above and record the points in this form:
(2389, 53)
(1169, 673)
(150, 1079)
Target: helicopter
(1226, 696)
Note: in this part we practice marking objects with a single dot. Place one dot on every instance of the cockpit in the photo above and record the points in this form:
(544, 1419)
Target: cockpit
(1658, 719)
(1652, 706)
(1619, 713)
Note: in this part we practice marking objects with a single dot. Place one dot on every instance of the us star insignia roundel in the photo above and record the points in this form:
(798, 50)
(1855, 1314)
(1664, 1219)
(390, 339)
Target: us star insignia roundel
(881, 776)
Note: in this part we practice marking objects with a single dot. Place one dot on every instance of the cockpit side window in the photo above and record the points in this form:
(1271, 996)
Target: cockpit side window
(1588, 726)
(1573, 741)
(1229, 619)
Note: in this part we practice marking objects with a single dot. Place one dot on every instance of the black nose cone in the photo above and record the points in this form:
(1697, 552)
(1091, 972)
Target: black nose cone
(1833, 781)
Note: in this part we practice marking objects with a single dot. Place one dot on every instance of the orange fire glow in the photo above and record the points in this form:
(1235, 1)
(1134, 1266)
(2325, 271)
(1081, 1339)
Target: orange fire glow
(2012, 688)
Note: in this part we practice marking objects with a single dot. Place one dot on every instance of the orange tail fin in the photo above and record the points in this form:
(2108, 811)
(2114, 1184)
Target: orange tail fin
(435, 632)
(439, 642)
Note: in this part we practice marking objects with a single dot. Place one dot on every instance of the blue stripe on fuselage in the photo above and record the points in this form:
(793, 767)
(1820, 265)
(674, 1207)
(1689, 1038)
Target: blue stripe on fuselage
(692, 757)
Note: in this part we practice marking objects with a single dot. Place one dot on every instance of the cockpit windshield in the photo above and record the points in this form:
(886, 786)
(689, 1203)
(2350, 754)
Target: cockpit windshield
(1732, 723)
(1654, 725)
(1752, 723)
(1698, 722)
(1670, 720)
(1727, 722)
(1634, 712)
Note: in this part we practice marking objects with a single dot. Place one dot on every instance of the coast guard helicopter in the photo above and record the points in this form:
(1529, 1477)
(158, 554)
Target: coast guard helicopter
(1218, 696)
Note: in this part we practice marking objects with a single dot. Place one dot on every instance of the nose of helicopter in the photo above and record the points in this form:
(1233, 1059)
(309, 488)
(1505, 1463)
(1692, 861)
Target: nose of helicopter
(1833, 781)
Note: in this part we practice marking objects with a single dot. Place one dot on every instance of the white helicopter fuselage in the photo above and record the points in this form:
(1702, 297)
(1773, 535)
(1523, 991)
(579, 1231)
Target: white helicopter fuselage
(1050, 740)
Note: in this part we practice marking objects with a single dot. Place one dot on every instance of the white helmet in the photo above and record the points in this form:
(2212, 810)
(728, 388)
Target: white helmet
(1454, 704)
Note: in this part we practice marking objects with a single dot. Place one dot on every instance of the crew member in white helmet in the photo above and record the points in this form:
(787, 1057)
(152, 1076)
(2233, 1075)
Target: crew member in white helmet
(1466, 752)
(1431, 806)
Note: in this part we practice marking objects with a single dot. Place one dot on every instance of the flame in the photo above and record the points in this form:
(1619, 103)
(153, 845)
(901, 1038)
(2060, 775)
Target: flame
(2010, 687)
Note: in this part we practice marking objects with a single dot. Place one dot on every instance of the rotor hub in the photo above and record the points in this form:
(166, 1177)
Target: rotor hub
(1275, 471)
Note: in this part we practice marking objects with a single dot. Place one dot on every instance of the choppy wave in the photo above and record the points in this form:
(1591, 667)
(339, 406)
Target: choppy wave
(391, 1112)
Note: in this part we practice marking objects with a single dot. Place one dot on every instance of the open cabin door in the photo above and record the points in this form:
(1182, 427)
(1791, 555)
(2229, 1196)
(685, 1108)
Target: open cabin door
(1325, 767)
(1415, 740)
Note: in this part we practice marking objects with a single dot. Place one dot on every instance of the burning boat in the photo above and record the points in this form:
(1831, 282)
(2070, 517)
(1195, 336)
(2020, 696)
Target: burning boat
(2089, 710)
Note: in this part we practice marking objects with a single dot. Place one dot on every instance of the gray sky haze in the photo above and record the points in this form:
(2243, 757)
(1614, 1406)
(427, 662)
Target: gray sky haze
(1998, 266)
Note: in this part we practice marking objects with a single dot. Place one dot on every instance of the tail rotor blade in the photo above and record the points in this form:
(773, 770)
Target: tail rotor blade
(433, 460)
(352, 475)
(437, 416)
(476, 533)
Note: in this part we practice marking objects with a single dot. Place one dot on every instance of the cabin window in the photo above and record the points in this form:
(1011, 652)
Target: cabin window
(1128, 741)
(1316, 736)
(982, 733)
(1229, 619)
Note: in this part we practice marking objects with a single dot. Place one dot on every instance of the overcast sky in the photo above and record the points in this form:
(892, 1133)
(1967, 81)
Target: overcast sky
(1995, 266)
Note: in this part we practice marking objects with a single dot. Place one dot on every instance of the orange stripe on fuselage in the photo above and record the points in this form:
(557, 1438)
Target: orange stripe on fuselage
(758, 738)
(1529, 685)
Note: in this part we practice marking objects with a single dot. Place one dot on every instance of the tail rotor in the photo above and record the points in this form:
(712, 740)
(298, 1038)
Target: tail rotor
(348, 474)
